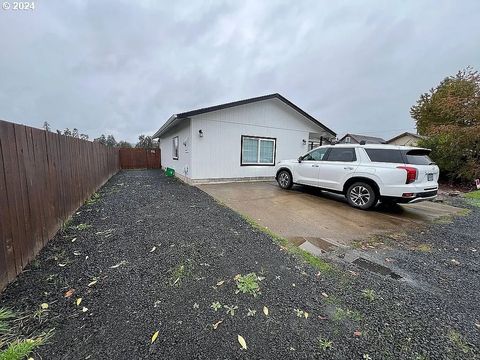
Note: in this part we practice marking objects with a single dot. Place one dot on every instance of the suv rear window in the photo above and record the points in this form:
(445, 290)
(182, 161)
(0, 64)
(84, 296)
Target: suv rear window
(418, 157)
(385, 155)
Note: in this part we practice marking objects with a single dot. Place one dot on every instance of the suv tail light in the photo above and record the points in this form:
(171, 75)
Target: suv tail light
(411, 173)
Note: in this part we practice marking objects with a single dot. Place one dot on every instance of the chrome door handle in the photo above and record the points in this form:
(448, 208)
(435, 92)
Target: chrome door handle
(348, 168)
(315, 165)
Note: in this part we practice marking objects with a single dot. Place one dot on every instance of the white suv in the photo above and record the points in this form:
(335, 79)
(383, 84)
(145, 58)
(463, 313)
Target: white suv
(365, 173)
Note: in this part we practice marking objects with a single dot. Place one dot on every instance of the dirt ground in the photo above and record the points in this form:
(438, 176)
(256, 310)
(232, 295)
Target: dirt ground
(152, 254)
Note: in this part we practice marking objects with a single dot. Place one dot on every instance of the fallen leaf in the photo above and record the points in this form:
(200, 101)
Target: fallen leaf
(236, 277)
(154, 337)
(220, 283)
(62, 265)
(357, 333)
(92, 283)
(324, 294)
(79, 300)
(265, 310)
(306, 314)
(74, 239)
(153, 249)
(215, 326)
(123, 262)
(44, 306)
(322, 317)
(242, 342)
(69, 293)
(84, 309)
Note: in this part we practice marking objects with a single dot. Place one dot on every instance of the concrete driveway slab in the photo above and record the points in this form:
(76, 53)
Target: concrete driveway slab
(320, 218)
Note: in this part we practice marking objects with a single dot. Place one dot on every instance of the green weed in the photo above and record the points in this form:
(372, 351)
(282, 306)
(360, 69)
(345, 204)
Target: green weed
(20, 349)
(93, 199)
(458, 341)
(81, 227)
(5, 316)
(346, 314)
(325, 344)
(247, 284)
(369, 294)
(216, 306)
(179, 273)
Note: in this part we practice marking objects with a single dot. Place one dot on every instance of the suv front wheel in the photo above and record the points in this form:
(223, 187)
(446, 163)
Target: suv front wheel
(284, 179)
(361, 195)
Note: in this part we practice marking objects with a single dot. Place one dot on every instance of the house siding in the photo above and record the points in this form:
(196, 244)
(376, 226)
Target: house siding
(216, 155)
(182, 166)
(406, 140)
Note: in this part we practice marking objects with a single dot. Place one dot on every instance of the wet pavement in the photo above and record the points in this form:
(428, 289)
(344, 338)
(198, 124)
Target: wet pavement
(318, 221)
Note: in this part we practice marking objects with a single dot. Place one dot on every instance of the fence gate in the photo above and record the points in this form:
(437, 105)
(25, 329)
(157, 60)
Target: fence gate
(140, 158)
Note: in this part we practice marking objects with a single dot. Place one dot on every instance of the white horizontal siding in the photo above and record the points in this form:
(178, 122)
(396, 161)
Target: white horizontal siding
(182, 166)
(216, 155)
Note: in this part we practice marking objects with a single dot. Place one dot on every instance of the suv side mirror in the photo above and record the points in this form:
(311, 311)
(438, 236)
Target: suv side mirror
(300, 159)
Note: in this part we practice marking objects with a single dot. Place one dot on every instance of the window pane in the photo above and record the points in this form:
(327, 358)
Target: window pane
(385, 155)
(175, 147)
(316, 155)
(418, 157)
(266, 151)
(250, 150)
(342, 154)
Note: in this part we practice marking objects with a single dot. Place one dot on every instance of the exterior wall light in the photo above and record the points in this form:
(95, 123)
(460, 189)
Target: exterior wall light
(200, 132)
(304, 142)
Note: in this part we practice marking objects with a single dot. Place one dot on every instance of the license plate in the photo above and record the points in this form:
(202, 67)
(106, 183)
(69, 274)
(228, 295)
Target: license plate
(429, 177)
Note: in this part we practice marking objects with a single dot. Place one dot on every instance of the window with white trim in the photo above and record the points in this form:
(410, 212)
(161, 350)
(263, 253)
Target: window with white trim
(175, 148)
(258, 151)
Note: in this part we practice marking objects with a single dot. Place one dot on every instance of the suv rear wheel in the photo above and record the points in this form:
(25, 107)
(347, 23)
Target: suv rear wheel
(361, 195)
(284, 179)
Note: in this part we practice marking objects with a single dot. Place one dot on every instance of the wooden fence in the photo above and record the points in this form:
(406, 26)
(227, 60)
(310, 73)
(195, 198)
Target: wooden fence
(44, 178)
(140, 158)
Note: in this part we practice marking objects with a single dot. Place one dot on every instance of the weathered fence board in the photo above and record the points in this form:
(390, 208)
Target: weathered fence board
(44, 178)
(140, 158)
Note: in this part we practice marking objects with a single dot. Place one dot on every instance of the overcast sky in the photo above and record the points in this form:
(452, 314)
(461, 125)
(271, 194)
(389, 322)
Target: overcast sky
(123, 67)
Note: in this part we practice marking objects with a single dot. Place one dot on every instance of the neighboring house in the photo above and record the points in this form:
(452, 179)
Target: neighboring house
(357, 139)
(238, 140)
(405, 139)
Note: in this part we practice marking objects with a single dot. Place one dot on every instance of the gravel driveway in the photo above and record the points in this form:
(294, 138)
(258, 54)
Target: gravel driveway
(153, 254)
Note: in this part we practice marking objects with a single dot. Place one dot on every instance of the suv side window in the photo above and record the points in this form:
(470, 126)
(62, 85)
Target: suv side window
(385, 155)
(342, 154)
(316, 155)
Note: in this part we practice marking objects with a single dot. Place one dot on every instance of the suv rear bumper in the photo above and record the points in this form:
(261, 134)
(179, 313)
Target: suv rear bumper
(415, 198)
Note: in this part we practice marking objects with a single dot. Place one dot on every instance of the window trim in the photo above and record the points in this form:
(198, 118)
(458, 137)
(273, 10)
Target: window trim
(175, 149)
(260, 138)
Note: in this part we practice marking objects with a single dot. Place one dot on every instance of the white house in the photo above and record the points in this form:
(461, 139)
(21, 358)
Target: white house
(241, 140)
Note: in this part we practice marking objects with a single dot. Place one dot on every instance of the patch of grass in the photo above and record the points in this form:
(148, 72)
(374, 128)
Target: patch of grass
(66, 224)
(247, 284)
(473, 198)
(313, 260)
(369, 294)
(179, 273)
(81, 227)
(12, 347)
(458, 341)
(346, 314)
(5, 316)
(425, 248)
(93, 199)
(325, 344)
(20, 349)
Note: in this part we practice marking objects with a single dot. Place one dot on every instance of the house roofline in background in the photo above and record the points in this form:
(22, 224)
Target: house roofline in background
(403, 134)
(188, 114)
